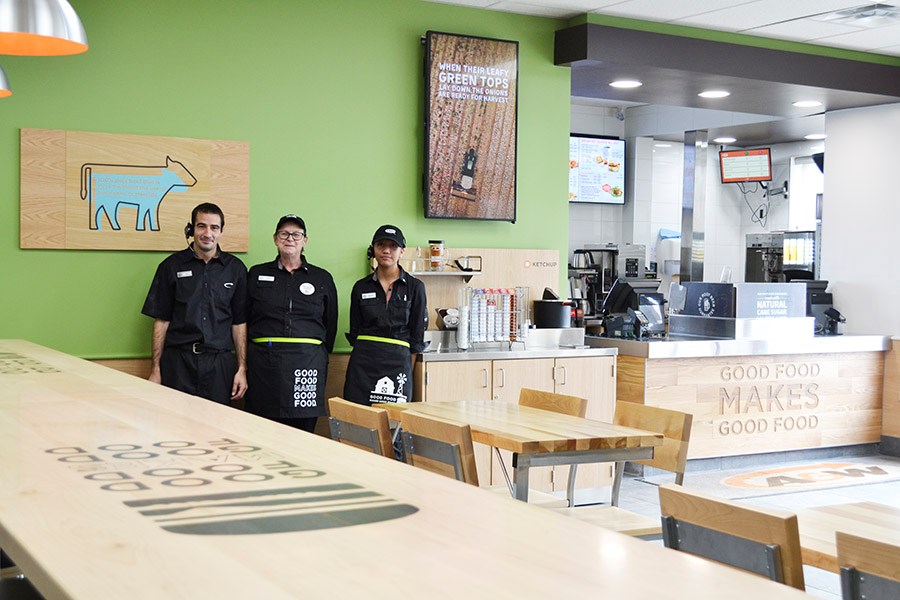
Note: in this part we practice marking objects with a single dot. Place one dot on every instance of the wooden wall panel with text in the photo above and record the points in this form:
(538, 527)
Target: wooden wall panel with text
(754, 404)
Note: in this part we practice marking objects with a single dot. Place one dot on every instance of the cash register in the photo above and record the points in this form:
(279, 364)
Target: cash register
(633, 309)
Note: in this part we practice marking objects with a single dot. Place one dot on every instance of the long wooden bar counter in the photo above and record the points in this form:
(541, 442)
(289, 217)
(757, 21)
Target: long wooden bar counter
(113, 487)
(755, 396)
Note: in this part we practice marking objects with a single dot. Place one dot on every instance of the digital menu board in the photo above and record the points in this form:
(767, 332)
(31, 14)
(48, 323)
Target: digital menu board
(471, 92)
(739, 166)
(596, 169)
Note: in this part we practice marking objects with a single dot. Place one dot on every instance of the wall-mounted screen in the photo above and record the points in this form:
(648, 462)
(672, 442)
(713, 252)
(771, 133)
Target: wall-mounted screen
(740, 166)
(596, 169)
(471, 91)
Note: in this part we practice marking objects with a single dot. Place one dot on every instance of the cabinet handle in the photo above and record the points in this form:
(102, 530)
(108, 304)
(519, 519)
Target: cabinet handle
(427, 378)
(502, 377)
(485, 371)
(565, 376)
(554, 373)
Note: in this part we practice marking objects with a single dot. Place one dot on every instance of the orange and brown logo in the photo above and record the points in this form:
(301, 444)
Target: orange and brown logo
(825, 474)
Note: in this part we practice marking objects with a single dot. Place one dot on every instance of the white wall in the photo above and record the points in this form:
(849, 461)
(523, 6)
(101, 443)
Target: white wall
(731, 215)
(667, 189)
(861, 217)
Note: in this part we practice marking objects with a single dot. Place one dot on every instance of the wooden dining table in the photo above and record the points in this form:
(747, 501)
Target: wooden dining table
(114, 487)
(865, 519)
(539, 438)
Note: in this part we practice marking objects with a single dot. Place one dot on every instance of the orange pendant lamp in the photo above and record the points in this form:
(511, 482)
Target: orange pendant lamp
(40, 28)
(5, 89)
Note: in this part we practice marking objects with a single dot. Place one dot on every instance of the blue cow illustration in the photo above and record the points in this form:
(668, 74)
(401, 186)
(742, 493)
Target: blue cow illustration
(107, 187)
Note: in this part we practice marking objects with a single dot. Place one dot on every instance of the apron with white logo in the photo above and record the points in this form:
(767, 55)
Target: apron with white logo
(286, 379)
(380, 370)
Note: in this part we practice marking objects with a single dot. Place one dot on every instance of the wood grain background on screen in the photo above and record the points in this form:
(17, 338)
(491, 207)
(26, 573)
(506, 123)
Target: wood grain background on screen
(459, 124)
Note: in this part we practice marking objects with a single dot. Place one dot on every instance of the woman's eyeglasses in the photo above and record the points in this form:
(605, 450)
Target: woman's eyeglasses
(291, 235)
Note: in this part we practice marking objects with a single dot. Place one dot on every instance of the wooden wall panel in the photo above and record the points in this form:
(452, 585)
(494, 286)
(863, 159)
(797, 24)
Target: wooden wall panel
(230, 187)
(891, 421)
(43, 188)
(84, 190)
(139, 367)
(754, 404)
(501, 268)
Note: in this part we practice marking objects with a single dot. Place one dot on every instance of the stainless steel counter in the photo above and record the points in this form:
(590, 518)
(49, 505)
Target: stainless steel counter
(698, 348)
(540, 343)
(496, 354)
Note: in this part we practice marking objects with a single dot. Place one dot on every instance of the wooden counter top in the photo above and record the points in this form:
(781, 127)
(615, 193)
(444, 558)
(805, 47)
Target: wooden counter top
(113, 487)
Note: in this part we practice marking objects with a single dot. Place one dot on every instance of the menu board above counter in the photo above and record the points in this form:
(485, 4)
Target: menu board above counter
(741, 166)
(596, 169)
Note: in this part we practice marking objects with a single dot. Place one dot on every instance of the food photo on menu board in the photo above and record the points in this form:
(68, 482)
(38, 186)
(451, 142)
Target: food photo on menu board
(471, 106)
(596, 169)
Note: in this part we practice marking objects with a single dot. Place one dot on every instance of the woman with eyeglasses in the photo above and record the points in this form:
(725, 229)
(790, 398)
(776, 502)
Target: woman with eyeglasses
(388, 319)
(291, 324)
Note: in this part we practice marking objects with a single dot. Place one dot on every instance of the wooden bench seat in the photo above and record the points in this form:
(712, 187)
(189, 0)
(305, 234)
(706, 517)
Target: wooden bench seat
(616, 519)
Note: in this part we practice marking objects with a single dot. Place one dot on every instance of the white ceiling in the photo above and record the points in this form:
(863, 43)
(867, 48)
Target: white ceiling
(794, 20)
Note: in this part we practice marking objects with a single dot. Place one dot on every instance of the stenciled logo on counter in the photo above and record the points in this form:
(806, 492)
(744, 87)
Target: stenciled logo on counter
(540, 264)
(247, 488)
(17, 364)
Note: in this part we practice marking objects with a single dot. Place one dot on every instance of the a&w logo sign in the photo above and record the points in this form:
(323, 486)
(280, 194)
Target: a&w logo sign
(809, 476)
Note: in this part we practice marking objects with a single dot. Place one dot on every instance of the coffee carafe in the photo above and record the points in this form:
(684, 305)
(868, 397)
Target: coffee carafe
(605, 265)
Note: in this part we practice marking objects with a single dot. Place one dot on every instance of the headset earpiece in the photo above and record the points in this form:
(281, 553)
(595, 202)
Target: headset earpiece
(188, 230)
(370, 251)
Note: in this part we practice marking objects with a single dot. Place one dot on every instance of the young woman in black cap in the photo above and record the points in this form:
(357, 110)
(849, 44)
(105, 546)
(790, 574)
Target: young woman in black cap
(291, 324)
(388, 318)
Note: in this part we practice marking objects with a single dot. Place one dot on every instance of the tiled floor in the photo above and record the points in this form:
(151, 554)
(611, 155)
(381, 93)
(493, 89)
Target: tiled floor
(643, 498)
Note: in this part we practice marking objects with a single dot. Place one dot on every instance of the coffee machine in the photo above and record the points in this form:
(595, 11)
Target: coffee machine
(592, 275)
(765, 258)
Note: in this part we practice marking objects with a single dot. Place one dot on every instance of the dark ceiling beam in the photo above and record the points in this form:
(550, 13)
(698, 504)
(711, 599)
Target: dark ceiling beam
(615, 45)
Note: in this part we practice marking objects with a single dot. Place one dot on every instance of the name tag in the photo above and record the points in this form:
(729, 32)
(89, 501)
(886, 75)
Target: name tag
(181, 274)
(266, 278)
(368, 295)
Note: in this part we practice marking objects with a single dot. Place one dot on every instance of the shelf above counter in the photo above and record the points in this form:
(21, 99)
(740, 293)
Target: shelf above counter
(467, 275)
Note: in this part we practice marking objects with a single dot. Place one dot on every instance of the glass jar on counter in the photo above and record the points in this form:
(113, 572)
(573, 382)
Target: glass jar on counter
(437, 254)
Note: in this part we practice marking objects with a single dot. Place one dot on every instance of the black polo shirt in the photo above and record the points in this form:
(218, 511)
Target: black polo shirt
(200, 300)
(404, 317)
(302, 304)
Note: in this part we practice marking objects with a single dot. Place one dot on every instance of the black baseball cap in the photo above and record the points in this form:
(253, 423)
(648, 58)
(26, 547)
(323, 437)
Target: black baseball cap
(389, 232)
(291, 218)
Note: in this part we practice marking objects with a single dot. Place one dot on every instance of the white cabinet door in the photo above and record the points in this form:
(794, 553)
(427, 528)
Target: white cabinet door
(454, 381)
(593, 378)
(509, 377)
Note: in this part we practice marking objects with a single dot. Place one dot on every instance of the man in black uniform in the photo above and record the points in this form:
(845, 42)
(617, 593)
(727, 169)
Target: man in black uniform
(388, 319)
(292, 322)
(198, 299)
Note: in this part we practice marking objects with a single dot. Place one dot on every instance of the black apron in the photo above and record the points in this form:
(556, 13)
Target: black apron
(286, 380)
(380, 370)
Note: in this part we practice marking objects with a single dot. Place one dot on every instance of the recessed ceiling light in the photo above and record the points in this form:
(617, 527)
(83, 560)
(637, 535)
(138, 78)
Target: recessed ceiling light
(725, 140)
(625, 83)
(869, 17)
(663, 145)
(714, 94)
(815, 136)
(807, 103)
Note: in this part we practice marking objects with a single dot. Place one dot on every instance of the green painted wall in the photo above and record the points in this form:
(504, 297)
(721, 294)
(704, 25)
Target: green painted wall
(329, 96)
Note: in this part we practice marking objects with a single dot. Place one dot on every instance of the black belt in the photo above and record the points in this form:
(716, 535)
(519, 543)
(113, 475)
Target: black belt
(200, 348)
